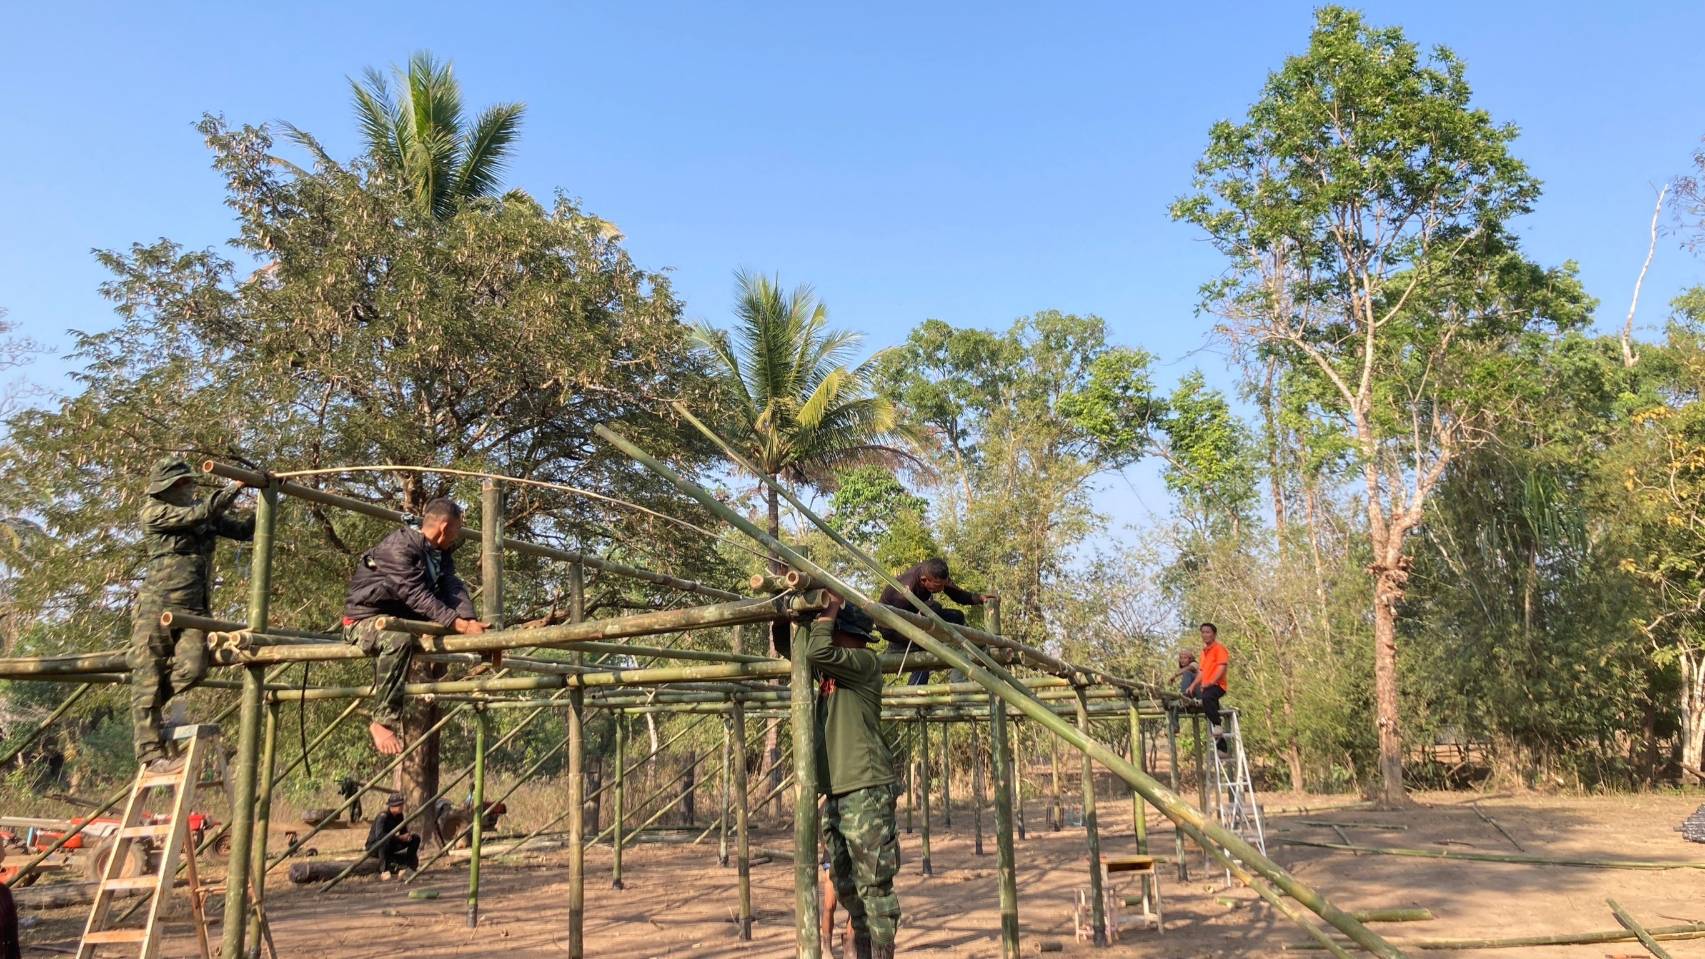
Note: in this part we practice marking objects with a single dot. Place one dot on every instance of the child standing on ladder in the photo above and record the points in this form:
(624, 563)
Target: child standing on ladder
(1209, 684)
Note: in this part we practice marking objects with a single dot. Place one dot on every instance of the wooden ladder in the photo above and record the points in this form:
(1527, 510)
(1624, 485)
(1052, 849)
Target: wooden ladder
(170, 838)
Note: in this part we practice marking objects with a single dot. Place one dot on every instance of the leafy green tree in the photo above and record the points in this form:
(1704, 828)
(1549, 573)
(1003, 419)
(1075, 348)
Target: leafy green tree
(491, 340)
(419, 135)
(1362, 206)
(871, 507)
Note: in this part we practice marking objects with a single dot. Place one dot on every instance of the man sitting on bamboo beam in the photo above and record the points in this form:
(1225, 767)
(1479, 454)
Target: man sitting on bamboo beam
(411, 575)
(1209, 684)
(922, 582)
(180, 528)
(855, 774)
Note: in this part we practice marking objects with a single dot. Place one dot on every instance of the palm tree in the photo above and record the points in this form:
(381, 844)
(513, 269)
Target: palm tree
(802, 414)
(425, 141)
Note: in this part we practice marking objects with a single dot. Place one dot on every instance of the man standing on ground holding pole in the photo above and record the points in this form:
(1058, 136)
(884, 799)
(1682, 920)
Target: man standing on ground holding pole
(1210, 681)
(855, 773)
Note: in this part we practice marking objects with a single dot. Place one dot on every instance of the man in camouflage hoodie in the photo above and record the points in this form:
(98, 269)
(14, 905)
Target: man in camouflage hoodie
(180, 527)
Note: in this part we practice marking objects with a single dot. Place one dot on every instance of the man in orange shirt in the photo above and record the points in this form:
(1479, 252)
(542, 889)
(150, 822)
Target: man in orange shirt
(1210, 681)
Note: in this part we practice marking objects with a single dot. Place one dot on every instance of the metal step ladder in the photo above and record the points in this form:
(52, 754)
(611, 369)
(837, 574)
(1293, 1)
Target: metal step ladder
(1238, 808)
(169, 837)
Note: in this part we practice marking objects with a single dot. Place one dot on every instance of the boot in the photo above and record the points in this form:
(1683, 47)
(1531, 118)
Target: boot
(862, 948)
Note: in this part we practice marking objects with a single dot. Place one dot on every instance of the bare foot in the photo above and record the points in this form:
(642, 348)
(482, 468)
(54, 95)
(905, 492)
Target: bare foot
(385, 739)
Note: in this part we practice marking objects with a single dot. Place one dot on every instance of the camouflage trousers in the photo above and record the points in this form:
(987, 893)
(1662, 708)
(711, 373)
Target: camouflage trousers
(395, 651)
(864, 855)
(164, 662)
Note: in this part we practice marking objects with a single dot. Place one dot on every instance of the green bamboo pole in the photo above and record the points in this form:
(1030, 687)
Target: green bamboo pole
(1005, 857)
(620, 812)
(491, 556)
(1172, 772)
(742, 836)
(1017, 775)
(911, 774)
(803, 719)
(263, 824)
(722, 805)
(576, 823)
(923, 793)
(1691, 930)
(29, 739)
(976, 793)
(1092, 834)
(1056, 812)
(978, 667)
(237, 871)
(946, 777)
(1201, 750)
(478, 810)
(1139, 815)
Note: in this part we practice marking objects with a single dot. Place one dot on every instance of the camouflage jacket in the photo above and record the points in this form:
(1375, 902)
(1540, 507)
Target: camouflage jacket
(179, 539)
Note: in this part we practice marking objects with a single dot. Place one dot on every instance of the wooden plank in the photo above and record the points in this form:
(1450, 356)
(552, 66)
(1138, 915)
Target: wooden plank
(104, 936)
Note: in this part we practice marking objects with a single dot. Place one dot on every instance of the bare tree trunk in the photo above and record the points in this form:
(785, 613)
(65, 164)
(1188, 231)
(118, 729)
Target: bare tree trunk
(1293, 745)
(1692, 714)
(1629, 358)
(1388, 589)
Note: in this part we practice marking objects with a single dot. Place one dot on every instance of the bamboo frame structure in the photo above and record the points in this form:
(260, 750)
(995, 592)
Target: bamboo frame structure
(1062, 698)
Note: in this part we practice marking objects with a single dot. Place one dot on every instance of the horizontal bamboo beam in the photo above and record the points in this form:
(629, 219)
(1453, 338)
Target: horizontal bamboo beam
(1522, 860)
(308, 493)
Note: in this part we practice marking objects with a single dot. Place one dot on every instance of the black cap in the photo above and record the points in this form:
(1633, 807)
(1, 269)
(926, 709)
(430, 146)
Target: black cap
(854, 620)
(395, 799)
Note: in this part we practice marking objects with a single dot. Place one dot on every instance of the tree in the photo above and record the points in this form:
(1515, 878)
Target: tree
(424, 141)
(872, 508)
(1362, 205)
(492, 339)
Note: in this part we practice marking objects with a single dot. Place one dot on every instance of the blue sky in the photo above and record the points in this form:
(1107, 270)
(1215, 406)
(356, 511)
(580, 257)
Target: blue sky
(970, 162)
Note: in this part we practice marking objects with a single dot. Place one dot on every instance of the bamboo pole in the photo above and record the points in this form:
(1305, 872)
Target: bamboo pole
(1017, 775)
(923, 793)
(29, 739)
(973, 663)
(911, 774)
(946, 778)
(621, 794)
(722, 805)
(976, 793)
(1172, 774)
(263, 825)
(308, 493)
(1056, 814)
(478, 814)
(742, 836)
(1139, 816)
(803, 719)
(1692, 930)
(491, 563)
(237, 871)
(576, 823)
(1005, 857)
(1092, 835)
(1527, 860)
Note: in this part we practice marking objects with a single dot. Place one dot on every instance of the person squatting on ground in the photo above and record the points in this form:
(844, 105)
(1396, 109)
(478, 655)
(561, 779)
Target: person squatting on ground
(855, 774)
(395, 853)
(180, 528)
(921, 583)
(410, 574)
(1209, 684)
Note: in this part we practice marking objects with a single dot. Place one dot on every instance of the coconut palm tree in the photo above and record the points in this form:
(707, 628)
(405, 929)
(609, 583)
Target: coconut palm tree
(423, 138)
(800, 412)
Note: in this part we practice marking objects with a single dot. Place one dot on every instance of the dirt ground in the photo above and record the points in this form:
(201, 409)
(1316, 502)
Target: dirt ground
(678, 901)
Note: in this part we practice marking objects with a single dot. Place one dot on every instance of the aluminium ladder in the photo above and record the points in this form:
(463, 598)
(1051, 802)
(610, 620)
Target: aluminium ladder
(1238, 808)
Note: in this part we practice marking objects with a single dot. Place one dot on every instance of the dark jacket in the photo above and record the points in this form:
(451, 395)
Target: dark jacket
(179, 539)
(919, 597)
(409, 577)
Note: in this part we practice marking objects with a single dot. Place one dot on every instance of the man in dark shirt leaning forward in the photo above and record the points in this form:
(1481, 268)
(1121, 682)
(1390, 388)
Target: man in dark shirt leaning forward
(855, 773)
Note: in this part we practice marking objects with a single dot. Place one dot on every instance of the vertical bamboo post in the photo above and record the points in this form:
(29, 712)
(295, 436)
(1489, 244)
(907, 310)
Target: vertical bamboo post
(237, 871)
(911, 775)
(1172, 772)
(976, 792)
(742, 837)
(1201, 780)
(576, 721)
(1018, 777)
(619, 814)
(263, 821)
(1006, 859)
(722, 804)
(946, 776)
(923, 791)
(491, 552)
(802, 717)
(1139, 814)
(1092, 835)
(478, 833)
(1056, 814)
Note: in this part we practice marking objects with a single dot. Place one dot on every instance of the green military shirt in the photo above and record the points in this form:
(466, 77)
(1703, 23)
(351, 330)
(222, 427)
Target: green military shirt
(179, 538)
(851, 753)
